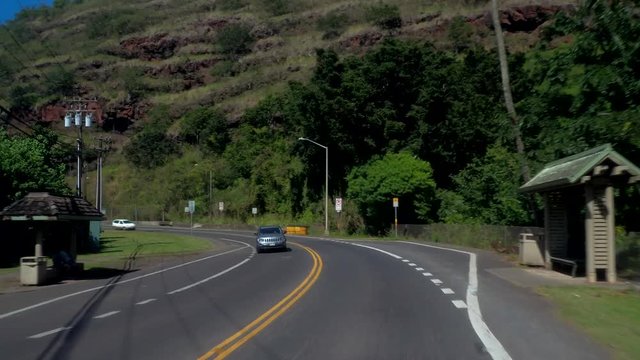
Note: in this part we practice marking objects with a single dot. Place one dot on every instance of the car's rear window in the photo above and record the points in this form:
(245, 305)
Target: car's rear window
(270, 230)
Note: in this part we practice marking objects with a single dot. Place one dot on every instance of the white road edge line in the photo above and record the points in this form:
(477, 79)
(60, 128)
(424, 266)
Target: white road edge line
(111, 313)
(11, 313)
(491, 343)
(47, 333)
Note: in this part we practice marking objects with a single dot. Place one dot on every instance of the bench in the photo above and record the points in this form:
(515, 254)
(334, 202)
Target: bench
(573, 263)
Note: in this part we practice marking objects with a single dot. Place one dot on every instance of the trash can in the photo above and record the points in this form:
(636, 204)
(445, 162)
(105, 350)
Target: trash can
(33, 270)
(530, 250)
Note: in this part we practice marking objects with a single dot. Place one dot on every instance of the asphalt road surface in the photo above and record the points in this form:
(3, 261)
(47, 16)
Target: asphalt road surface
(322, 299)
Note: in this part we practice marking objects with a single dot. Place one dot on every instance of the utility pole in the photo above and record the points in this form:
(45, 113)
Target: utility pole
(79, 115)
(506, 88)
(103, 147)
(210, 189)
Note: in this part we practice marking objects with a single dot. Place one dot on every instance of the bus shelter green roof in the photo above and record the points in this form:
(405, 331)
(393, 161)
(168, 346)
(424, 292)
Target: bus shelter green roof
(570, 170)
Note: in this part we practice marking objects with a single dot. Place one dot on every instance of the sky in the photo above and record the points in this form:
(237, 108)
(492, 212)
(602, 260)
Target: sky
(9, 8)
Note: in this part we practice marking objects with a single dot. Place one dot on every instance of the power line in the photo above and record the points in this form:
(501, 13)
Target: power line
(18, 60)
(29, 54)
(62, 145)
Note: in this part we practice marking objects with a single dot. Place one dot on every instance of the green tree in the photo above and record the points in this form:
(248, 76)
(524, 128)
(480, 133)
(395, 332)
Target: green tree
(150, 148)
(30, 164)
(401, 175)
(486, 192)
(206, 126)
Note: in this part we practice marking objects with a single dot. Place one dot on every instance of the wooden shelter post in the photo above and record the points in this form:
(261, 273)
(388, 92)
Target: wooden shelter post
(39, 241)
(611, 236)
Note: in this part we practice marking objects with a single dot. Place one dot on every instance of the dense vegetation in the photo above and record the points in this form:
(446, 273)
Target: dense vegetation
(407, 119)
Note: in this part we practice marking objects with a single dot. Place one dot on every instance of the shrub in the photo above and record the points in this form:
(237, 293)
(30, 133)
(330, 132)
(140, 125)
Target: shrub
(229, 5)
(22, 97)
(223, 68)
(277, 7)
(333, 24)
(132, 79)
(61, 82)
(460, 33)
(384, 15)
(235, 39)
(115, 23)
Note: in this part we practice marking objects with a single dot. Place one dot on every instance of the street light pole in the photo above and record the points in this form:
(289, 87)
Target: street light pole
(326, 183)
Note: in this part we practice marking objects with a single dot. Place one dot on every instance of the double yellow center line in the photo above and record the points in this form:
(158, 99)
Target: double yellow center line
(233, 342)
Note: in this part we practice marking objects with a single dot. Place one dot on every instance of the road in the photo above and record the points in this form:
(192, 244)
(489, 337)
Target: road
(322, 299)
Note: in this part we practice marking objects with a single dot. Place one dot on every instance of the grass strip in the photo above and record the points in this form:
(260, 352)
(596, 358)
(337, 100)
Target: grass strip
(117, 246)
(610, 316)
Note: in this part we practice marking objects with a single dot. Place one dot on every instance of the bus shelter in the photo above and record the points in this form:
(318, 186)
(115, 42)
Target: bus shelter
(579, 209)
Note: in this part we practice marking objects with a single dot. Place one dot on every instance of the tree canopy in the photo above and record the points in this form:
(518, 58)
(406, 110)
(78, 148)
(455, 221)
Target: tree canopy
(27, 164)
(374, 185)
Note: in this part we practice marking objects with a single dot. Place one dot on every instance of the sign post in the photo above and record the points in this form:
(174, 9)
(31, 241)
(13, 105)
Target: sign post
(338, 210)
(192, 209)
(395, 211)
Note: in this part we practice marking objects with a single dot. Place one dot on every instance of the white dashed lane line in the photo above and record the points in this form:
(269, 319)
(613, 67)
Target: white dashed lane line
(47, 333)
(436, 281)
(412, 264)
(427, 274)
(144, 302)
(447, 291)
(111, 313)
(459, 304)
(419, 269)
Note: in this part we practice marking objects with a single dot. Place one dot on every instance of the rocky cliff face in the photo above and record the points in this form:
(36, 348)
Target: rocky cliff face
(193, 73)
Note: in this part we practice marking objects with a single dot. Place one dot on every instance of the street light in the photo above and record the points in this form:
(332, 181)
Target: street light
(326, 184)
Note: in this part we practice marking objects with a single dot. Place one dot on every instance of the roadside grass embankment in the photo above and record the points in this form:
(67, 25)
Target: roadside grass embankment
(119, 246)
(610, 316)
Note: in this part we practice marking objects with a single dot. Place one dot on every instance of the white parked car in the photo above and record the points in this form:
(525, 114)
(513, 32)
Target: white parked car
(123, 224)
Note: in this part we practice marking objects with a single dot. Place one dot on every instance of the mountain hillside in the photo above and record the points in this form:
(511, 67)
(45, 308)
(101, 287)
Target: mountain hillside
(132, 55)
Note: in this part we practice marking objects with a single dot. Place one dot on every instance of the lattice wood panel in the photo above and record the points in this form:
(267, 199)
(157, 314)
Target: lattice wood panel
(600, 233)
(557, 233)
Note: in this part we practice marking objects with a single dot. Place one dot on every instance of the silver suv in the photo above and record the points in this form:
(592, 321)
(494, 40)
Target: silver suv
(270, 237)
